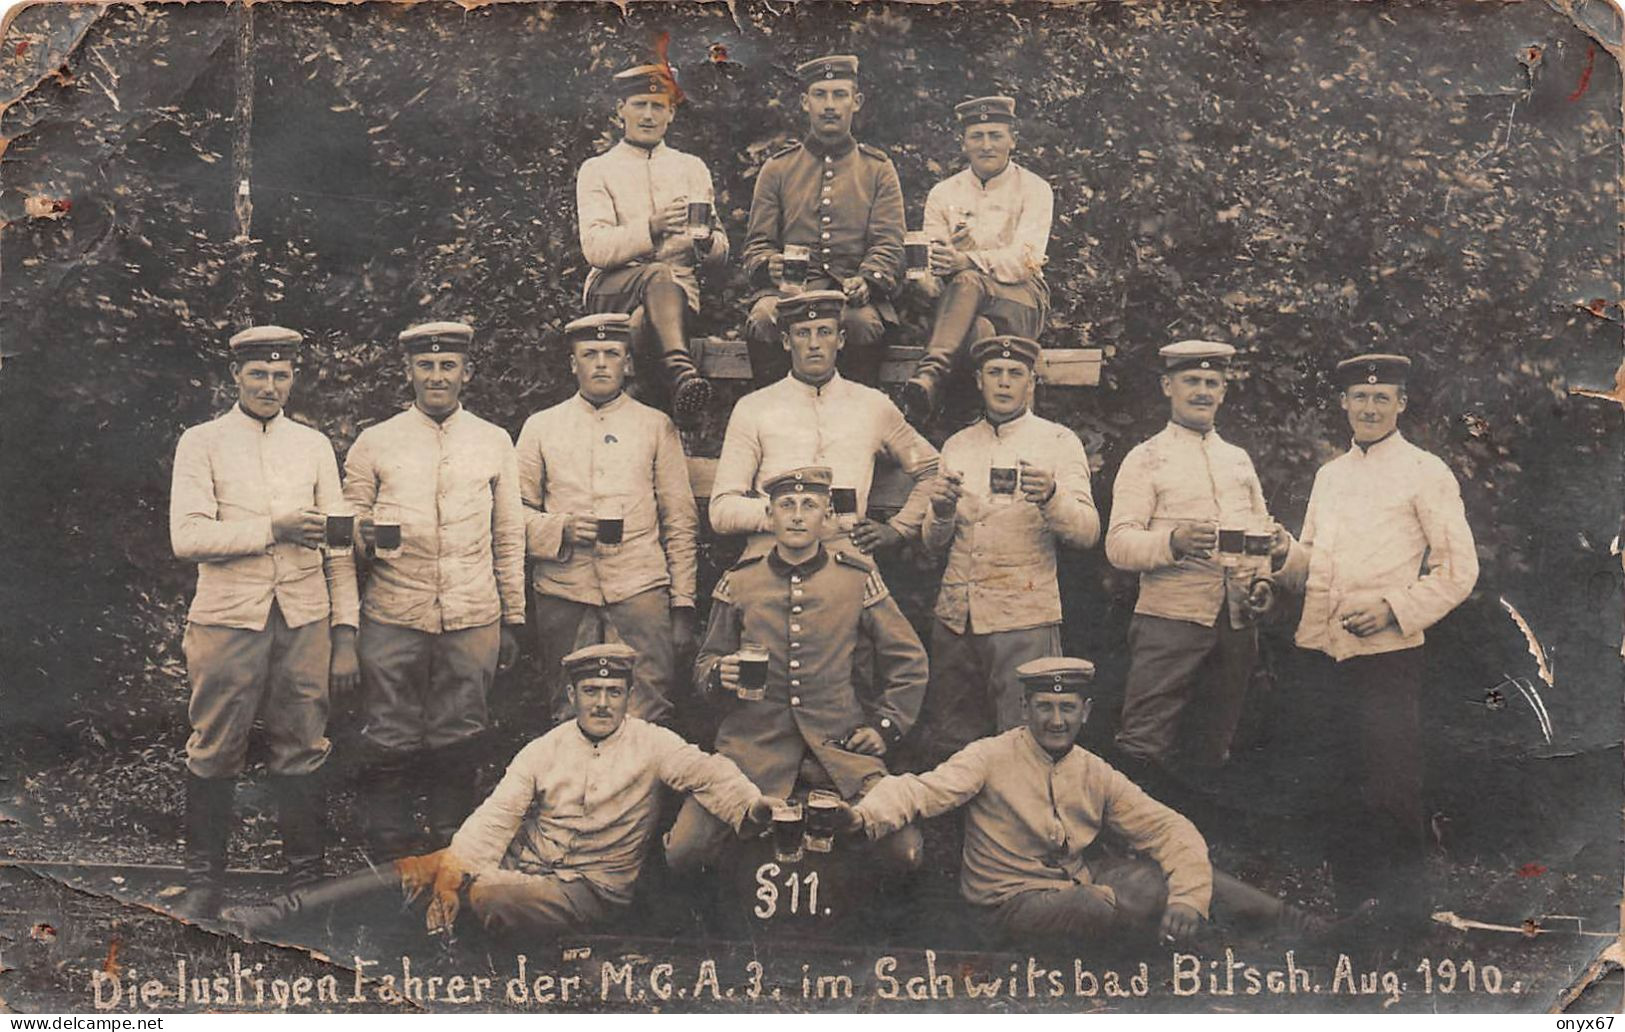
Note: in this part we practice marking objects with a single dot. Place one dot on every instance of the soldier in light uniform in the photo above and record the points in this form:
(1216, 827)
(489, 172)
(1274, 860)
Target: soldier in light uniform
(839, 198)
(1386, 553)
(440, 618)
(632, 202)
(990, 226)
(809, 607)
(999, 604)
(816, 417)
(1193, 640)
(273, 622)
(601, 454)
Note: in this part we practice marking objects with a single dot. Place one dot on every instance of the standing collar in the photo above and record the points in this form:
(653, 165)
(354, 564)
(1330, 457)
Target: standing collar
(617, 402)
(1042, 753)
(840, 148)
(827, 385)
(806, 569)
(446, 424)
(1378, 447)
(1177, 429)
(242, 416)
(1005, 175)
(613, 736)
(641, 153)
(1009, 425)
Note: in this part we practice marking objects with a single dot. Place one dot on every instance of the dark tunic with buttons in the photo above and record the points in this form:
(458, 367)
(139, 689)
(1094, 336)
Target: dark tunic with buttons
(809, 618)
(844, 203)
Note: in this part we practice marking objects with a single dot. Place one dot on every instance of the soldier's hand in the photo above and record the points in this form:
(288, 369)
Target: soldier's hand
(344, 670)
(847, 819)
(1197, 539)
(775, 266)
(856, 289)
(946, 260)
(871, 537)
(417, 873)
(761, 811)
(448, 889)
(668, 220)
(1260, 596)
(945, 492)
(299, 527)
(1180, 923)
(728, 673)
(583, 531)
(1280, 545)
(682, 630)
(507, 649)
(866, 740)
(1365, 613)
(1037, 485)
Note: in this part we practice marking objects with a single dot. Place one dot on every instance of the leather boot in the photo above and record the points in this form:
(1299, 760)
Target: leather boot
(302, 812)
(382, 882)
(385, 798)
(451, 791)
(208, 832)
(690, 392)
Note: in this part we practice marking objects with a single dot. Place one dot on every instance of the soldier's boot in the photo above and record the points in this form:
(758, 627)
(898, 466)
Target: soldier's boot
(954, 329)
(382, 883)
(385, 798)
(208, 832)
(451, 791)
(690, 392)
(302, 811)
(665, 303)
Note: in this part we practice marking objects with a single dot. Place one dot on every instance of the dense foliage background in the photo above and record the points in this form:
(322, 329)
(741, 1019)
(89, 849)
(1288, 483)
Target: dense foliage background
(1307, 180)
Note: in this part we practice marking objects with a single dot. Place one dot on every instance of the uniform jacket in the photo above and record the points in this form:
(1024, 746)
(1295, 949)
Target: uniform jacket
(1387, 519)
(810, 618)
(575, 456)
(580, 809)
(844, 203)
(1009, 220)
(1001, 558)
(618, 190)
(232, 475)
(1024, 807)
(455, 486)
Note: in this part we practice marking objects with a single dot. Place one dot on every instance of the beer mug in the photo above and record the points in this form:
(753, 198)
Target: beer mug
(752, 672)
(796, 259)
(699, 221)
(339, 534)
(611, 517)
(789, 828)
(386, 532)
(917, 249)
(1232, 543)
(823, 814)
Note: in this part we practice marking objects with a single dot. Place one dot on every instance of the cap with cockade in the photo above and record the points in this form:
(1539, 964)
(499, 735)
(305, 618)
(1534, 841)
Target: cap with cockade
(1196, 354)
(1373, 368)
(1022, 349)
(832, 66)
(643, 81)
(1056, 675)
(611, 659)
(266, 344)
(603, 326)
(814, 479)
(437, 337)
(986, 109)
(810, 305)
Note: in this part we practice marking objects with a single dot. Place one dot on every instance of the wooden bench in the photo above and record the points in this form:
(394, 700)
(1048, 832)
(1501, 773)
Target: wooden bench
(727, 358)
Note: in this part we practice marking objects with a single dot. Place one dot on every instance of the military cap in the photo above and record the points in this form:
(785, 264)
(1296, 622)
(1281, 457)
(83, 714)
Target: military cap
(816, 479)
(986, 109)
(810, 305)
(1022, 349)
(833, 66)
(1373, 368)
(1056, 675)
(1196, 354)
(644, 80)
(603, 326)
(437, 336)
(611, 659)
(266, 344)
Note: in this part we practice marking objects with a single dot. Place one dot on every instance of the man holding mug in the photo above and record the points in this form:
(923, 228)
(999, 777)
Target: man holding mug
(808, 607)
(1193, 641)
(610, 519)
(647, 218)
(999, 604)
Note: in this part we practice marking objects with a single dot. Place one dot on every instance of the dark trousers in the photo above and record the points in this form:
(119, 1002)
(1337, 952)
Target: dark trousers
(1185, 681)
(1377, 839)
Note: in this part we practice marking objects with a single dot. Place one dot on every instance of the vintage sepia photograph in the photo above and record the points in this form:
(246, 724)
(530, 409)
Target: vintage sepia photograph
(812, 507)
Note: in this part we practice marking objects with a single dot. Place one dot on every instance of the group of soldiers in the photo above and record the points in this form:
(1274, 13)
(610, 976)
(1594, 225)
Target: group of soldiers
(596, 497)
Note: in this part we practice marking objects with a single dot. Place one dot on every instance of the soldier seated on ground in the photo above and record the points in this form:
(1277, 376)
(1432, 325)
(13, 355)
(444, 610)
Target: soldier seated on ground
(1037, 807)
(559, 844)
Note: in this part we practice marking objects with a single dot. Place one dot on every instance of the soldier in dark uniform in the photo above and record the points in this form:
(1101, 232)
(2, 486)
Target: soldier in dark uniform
(841, 200)
(808, 607)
